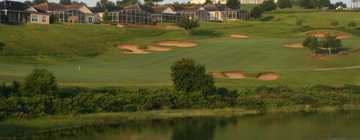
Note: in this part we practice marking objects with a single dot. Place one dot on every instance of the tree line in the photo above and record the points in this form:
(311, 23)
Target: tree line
(40, 95)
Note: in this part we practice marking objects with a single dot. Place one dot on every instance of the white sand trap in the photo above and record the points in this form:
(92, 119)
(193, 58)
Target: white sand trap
(270, 76)
(319, 34)
(131, 49)
(218, 75)
(294, 45)
(342, 36)
(235, 75)
(239, 36)
(157, 48)
(177, 43)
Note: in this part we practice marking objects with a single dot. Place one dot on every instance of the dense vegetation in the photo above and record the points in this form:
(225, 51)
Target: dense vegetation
(39, 95)
(330, 44)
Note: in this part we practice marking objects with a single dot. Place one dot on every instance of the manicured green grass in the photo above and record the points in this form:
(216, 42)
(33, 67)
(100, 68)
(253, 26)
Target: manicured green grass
(64, 48)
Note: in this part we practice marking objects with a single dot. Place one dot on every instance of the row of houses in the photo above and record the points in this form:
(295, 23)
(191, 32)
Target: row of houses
(13, 12)
(142, 14)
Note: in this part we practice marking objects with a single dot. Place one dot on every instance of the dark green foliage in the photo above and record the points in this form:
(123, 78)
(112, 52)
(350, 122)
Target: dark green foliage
(124, 100)
(39, 1)
(40, 81)
(105, 18)
(307, 4)
(188, 76)
(256, 12)
(268, 5)
(282, 4)
(338, 5)
(331, 43)
(233, 4)
(188, 24)
(208, 2)
(65, 2)
(350, 24)
(311, 42)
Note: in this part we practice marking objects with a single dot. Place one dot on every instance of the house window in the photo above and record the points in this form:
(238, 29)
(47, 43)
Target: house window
(43, 18)
(34, 18)
(90, 20)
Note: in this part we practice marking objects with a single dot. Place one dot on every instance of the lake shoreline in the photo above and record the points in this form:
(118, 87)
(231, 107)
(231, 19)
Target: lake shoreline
(51, 124)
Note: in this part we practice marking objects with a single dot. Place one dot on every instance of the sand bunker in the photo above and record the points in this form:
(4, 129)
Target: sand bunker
(270, 76)
(229, 75)
(343, 36)
(239, 36)
(234, 75)
(176, 43)
(131, 49)
(218, 75)
(157, 48)
(294, 45)
(324, 34)
(319, 34)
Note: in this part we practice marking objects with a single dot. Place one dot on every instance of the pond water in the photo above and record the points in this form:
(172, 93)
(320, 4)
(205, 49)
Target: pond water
(298, 126)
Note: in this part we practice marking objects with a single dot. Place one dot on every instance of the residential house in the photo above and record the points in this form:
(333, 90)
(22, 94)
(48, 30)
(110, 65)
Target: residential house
(73, 13)
(224, 1)
(79, 13)
(13, 12)
(132, 14)
(56, 11)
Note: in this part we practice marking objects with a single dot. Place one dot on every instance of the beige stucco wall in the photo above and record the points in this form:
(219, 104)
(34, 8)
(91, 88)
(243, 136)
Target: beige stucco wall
(41, 18)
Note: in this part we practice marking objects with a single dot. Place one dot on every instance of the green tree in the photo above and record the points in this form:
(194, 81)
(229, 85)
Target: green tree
(65, 2)
(282, 4)
(256, 12)
(39, 1)
(188, 24)
(307, 4)
(40, 81)
(208, 2)
(233, 4)
(268, 5)
(312, 43)
(323, 3)
(105, 18)
(189, 76)
(331, 43)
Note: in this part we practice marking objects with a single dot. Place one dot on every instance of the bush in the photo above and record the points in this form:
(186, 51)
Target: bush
(311, 42)
(268, 5)
(352, 24)
(40, 81)
(256, 12)
(188, 24)
(282, 4)
(188, 76)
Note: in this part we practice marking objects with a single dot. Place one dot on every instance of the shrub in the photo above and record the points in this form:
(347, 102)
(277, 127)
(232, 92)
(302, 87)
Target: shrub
(188, 76)
(352, 24)
(268, 5)
(256, 12)
(188, 24)
(40, 81)
(282, 4)
(331, 43)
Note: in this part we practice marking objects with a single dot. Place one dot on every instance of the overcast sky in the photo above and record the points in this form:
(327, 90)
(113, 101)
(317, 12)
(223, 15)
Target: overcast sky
(93, 2)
